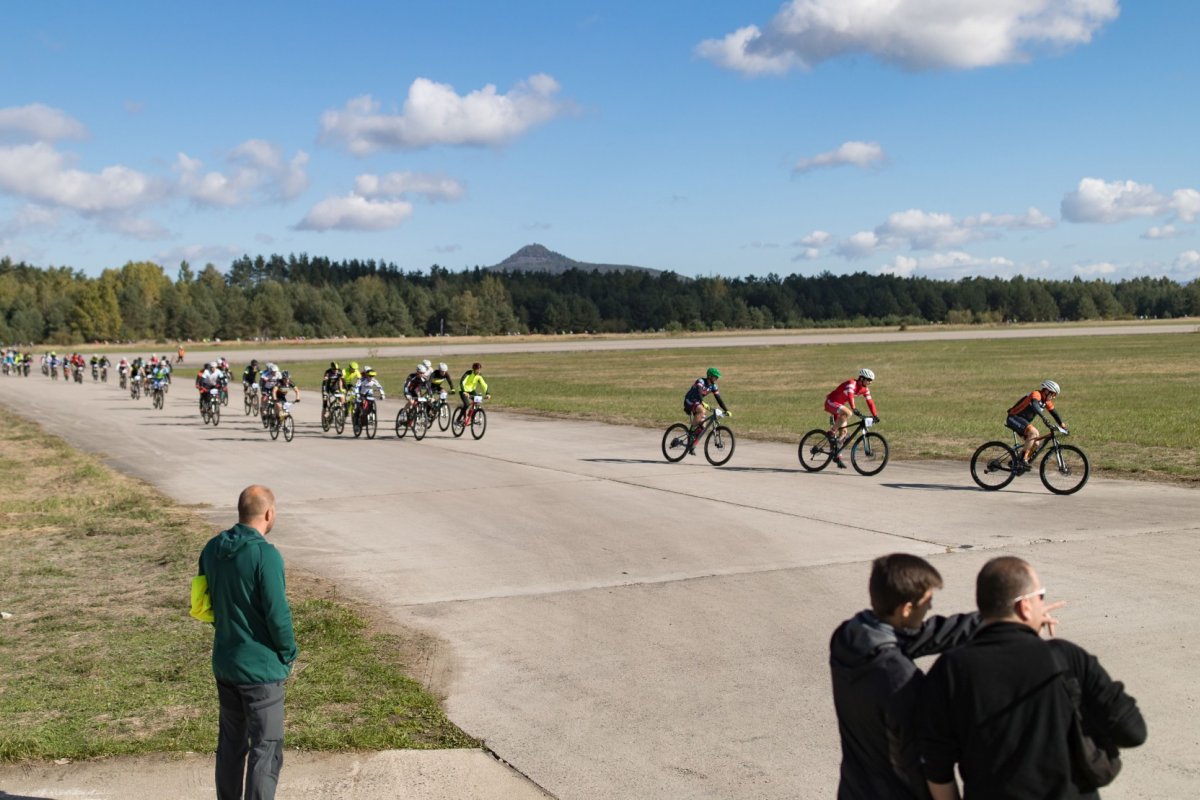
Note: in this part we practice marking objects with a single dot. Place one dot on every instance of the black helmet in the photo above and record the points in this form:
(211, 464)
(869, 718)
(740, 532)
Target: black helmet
(254, 362)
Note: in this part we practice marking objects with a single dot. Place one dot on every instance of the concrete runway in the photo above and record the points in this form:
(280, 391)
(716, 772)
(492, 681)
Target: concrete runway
(616, 626)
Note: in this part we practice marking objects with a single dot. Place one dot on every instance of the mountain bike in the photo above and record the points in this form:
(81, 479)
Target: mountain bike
(333, 412)
(365, 418)
(95, 373)
(413, 418)
(1064, 468)
(104, 374)
(439, 412)
(474, 417)
(158, 395)
(283, 423)
(868, 449)
(680, 440)
(210, 407)
(250, 399)
(135, 388)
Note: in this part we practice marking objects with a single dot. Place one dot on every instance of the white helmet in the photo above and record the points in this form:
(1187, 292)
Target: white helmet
(428, 364)
(210, 366)
(422, 369)
(866, 373)
(1051, 386)
(442, 366)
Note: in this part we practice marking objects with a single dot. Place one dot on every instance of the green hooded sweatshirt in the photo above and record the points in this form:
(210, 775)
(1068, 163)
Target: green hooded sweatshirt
(253, 640)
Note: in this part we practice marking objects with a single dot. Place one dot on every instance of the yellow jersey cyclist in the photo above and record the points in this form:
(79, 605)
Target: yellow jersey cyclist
(350, 378)
(472, 383)
(1020, 416)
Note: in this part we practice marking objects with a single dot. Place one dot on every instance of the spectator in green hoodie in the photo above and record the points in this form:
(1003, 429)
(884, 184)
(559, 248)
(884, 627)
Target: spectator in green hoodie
(253, 648)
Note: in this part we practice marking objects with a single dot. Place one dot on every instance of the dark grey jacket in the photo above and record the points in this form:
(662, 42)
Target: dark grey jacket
(874, 693)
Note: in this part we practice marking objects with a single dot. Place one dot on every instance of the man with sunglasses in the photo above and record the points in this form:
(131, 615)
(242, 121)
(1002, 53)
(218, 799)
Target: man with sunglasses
(999, 706)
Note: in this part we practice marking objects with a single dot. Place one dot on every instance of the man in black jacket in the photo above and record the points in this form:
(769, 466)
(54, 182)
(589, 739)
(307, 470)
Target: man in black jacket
(875, 679)
(999, 707)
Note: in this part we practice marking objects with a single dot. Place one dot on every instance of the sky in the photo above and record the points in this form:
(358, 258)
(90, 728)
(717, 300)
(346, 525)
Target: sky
(941, 138)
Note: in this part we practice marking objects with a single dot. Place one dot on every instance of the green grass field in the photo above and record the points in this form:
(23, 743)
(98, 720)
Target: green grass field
(100, 656)
(1125, 398)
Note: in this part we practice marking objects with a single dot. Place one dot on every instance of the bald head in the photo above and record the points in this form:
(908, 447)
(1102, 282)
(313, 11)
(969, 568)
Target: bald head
(256, 508)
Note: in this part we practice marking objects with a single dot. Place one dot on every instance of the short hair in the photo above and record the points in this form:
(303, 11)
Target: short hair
(253, 502)
(1000, 580)
(900, 578)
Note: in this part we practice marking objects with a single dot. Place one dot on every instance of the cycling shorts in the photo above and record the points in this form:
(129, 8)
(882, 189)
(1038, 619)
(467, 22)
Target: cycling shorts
(690, 406)
(832, 407)
(1018, 424)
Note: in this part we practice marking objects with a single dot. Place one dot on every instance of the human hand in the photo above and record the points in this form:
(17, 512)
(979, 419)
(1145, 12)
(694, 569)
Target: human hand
(1048, 621)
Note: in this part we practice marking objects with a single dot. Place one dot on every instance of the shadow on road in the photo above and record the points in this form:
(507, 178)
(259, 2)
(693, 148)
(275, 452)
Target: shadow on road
(779, 470)
(625, 461)
(939, 487)
(6, 796)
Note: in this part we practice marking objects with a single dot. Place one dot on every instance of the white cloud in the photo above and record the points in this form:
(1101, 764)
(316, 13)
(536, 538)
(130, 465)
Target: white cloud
(29, 217)
(1096, 269)
(1163, 232)
(928, 230)
(807, 254)
(355, 213)
(434, 114)
(816, 239)
(399, 184)
(912, 34)
(859, 154)
(1032, 219)
(40, 123)
(953, 264)
(40, 173)
(135, 227)
(1188, 260)
(1096, 200)
(257, 173)
(1186, 204)
(858, 245)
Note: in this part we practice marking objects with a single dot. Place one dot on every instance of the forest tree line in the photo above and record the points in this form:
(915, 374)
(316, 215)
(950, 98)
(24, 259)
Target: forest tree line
(304, 296)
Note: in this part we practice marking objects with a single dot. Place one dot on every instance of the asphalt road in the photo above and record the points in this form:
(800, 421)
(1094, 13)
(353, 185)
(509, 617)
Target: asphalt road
(616, 626)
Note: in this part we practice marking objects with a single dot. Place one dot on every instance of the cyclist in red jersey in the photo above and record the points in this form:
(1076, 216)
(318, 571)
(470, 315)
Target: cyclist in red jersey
(840, 404)
(1020, 416)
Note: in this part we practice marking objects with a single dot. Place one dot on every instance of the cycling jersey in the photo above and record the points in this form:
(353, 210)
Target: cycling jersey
(844, 395)
(250, 375)
(438, 377)
(700, 389)
(366, 386)
(472, 383)
(350, 376)
(330, 380)
(1032, 405)
(415, 385)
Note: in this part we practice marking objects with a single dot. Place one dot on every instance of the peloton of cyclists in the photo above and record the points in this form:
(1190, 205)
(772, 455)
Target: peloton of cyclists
(840, 405)
(1020, 417)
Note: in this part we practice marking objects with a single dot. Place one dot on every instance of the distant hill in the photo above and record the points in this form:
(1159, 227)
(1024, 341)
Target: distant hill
(537, 258)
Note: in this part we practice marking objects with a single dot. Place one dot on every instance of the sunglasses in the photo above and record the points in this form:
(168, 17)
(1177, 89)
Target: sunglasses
(1039, 593)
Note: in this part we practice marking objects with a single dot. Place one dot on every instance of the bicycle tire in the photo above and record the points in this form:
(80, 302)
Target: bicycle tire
(721, 440)
(215, 414)
(246, 404)
(1067, 476)
(355, 424)
(158, 400)
(675, 442)
(869, 454)
(204, 415)
(326, 417)
(816, 450)
(224, 398)
(456, 423)
(274, 430)
(443, 417)
(339, 419)
(479, 423)
(371, 424)
(289, 428)
(402, 423)
(420, 423)
(992, 466)
(257, 409)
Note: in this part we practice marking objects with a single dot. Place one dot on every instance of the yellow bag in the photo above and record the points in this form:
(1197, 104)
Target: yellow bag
(201, 602)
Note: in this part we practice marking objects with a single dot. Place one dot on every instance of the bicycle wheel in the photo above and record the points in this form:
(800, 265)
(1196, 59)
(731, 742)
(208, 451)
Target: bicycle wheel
(675, 442)
(256, 406)
(326, 417)
(356, 424)
(215, 414)
(339, 419)
(443, 417)
(204, 415)
(420, 423)
(274, 429)
(456, 423)
(992, 466)
(246, 404)
(402, 423)
(371, 424)
(869, 455)
(1065, 471)
(479, 423)
(289, 428)
(224, 398)
(718, 445)
(158, 399)
(816, 450)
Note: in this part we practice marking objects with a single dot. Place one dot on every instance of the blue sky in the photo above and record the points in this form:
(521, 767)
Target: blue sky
(1049, 138)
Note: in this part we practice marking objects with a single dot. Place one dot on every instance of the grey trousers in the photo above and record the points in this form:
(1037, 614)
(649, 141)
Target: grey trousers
(250, 741)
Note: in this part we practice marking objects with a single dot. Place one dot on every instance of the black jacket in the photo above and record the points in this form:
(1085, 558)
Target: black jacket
(874, 690)
(1000, 710)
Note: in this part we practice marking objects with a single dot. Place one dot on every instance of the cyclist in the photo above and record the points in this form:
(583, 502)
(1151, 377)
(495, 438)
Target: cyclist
(331, 383)
(470, 383)
(367, 384)
(279, 392)
(440, 377)
(160, 376)
(250, 375)
(415, 385)
(206, 379)
(693, 401)
(1020, 416)
(350, 378)
(840, 405)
